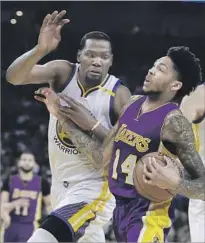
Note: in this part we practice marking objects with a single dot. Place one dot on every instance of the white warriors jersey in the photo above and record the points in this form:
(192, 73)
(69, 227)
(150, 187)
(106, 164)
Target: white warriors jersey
(66, 162)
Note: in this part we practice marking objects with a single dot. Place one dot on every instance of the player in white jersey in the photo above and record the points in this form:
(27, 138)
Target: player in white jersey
(81, 201)
(193, 107)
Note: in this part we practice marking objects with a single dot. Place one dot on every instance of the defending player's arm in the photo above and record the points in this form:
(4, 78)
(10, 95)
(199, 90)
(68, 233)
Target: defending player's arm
(78, 113)
(178, 131)
(98, 152)
(24, 70)
(121, 97)
(90, 146)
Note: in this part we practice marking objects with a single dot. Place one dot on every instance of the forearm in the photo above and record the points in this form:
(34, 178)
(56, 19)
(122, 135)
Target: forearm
(19, 70)
(194, 189)
(89, 146)
(100, 132)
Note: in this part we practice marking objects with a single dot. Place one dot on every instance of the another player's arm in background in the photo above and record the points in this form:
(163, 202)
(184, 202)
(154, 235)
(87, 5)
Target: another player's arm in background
(192, 106)
(122, 95)
(24, 70)
(7, 205)
(178, 131)
(5, 208)
(46, 196)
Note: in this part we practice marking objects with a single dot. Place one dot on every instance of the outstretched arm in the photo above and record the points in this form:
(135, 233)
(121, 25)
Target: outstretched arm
(24, 70)
(178, 131)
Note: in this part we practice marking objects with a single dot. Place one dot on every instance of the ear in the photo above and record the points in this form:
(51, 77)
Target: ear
(176, 85)
(78, 55)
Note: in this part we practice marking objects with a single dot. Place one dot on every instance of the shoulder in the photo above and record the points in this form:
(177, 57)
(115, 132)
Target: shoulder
(129, 102)
(133, 98)
(174, 118)
(122, 90)
(63, 71)
(175, 125)
(122, 95)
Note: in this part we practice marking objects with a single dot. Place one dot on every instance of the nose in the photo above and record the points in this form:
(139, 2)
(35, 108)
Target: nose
(151, 71)
(97, 62)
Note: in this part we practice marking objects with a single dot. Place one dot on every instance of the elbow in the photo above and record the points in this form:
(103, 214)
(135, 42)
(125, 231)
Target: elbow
(11, 78)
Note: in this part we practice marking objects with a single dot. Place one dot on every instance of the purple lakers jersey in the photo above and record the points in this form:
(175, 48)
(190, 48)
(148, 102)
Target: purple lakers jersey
(30, 190)
(137, 135)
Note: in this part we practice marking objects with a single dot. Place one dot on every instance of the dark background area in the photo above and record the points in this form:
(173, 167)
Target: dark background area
(140, 32)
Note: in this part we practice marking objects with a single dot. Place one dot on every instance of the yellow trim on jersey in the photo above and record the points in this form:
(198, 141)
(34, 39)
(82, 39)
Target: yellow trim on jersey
(38, 211)
(195, 128)
(110, 92)
(88, 212)
(155, 221)
(85, 93)
(136, 97)
(78, 219)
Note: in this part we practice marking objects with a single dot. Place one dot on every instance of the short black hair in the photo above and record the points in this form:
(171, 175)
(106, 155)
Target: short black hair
(95, 35)
(188, 69)
(27, 151)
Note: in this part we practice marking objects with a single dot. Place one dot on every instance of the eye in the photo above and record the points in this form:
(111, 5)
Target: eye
(90, 54)
(106, 56)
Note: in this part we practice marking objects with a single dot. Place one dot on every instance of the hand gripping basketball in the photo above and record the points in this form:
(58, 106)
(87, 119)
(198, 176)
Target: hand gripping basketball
(155, 187)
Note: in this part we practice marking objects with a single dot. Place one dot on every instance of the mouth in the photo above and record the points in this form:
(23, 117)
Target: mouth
(147, 80)
(95, 72)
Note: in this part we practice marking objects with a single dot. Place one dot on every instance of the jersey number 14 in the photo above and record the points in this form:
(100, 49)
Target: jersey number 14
(127, 167)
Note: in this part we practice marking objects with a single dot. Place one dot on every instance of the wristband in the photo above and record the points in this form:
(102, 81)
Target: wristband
(94, 127)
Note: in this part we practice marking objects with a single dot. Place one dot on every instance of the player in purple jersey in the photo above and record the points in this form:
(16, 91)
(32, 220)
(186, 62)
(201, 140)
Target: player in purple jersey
(149, 123)
(21, 200)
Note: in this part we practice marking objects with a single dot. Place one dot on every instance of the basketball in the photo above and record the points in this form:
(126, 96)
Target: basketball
(153, 193)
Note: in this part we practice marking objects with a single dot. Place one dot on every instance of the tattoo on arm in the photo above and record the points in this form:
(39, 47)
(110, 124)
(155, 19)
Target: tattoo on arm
(178, 131)
(90, 146)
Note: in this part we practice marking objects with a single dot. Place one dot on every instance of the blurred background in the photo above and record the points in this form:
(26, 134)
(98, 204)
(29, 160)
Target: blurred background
(140, 32)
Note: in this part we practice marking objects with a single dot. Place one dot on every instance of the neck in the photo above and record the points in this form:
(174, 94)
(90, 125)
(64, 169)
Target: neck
(89, 83)
(26, 176)
(156, 100)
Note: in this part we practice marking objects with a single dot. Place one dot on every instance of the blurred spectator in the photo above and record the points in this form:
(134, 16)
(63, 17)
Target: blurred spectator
(22, 197)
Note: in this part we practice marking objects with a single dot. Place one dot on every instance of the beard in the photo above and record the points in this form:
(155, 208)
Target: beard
(93, 80)
(25, 170)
